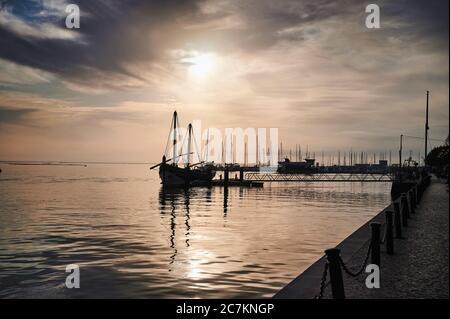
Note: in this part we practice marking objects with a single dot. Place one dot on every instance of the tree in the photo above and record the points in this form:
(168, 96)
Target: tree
(439, 156)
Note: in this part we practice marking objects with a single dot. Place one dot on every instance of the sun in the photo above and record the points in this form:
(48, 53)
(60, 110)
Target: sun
(202, 65)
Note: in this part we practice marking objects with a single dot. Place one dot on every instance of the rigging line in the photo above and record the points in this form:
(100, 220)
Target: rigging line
(206, 146)
(168, 137)
(182, 147)
(196, 148)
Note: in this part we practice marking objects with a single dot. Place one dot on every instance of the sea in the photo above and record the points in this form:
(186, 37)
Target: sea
(128, 238)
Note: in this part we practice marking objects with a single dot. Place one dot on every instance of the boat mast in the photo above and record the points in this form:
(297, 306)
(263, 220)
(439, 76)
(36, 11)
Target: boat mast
(189, 145)
(207, 144)
(233, 151)
(174, 137)
(426, 127)
(245, 155)
(257, 150)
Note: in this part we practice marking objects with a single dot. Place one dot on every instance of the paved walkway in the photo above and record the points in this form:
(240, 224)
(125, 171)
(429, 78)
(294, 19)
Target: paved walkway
(420, 266)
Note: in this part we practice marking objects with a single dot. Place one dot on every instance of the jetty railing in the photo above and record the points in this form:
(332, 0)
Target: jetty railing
(397, 216)
(321, 177)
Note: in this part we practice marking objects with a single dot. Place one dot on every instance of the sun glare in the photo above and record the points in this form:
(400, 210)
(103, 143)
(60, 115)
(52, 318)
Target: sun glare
(202, 65)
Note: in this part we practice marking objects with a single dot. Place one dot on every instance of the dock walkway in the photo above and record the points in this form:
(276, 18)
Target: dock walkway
(418, 269)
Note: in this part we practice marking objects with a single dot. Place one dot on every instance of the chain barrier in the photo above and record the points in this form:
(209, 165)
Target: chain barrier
(363, 266)
(323, 281)
(366, 259)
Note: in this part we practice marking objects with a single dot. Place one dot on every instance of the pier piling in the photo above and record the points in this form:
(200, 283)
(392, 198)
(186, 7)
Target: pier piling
(337, 283)
(226, 178)
(375, 242)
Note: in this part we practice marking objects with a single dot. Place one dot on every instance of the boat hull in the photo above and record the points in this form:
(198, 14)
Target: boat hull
(288, 167)
(174, 176)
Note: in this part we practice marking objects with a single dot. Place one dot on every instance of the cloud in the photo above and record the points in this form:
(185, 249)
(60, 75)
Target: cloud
(309, 67)
(33, 30)
(116, 37)
(129, 42)
(39, 128)
(36, 19)
(12, 116)
(12, 73)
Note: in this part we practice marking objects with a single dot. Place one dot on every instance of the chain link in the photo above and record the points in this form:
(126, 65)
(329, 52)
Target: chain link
(363, 266)
(323, 281)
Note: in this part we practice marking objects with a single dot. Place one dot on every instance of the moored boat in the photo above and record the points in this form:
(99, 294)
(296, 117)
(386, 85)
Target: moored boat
(174, 175)
(305, 167)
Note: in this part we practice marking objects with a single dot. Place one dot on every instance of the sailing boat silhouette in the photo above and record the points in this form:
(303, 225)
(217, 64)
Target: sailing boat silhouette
(172, 175)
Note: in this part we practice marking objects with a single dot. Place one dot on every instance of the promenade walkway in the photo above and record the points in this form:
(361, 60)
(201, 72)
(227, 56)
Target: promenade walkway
(420, 266)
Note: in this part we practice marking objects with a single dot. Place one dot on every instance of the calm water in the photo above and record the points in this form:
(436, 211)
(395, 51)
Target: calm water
(132, 240)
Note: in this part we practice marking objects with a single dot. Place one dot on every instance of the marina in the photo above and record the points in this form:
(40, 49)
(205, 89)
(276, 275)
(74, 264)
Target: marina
(202, 173)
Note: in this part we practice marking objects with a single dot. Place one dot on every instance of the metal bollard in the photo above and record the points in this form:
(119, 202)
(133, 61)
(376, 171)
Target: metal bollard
(405, 210)
(397, 220)
(337, 283)
(411, 202)
(389, 232)
(375, 242)
(419, 192)
(414, 196)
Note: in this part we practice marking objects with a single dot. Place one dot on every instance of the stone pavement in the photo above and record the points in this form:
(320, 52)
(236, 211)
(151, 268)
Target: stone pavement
(419, 267)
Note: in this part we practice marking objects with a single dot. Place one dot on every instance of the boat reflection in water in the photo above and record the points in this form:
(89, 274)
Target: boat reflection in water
(245, 241)
(175, 204)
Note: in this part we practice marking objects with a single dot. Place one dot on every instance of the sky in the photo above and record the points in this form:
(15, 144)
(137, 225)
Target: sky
(311, 68)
